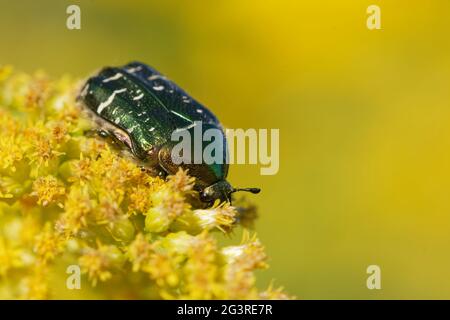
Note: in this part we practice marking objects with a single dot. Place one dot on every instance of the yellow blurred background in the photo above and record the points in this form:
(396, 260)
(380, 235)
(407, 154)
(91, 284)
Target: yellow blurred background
(363, 116)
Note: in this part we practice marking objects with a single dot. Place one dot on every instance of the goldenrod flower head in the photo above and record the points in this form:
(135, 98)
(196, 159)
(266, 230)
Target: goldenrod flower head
(202, 269)
(99, 263)
(47, 189)
(68, 197)
(167, 205)
(140, 201)
(35, 285)
(11, 144)
(221, 216)
(139, 253)
(181, 181)
(48, 244)
(77, 208)
(249, 255)
(10, 257)
(272, 293)
(8, 188)
(241, 261)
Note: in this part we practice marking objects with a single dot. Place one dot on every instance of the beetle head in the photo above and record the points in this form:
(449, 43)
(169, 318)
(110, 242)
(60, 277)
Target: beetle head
(222, 190)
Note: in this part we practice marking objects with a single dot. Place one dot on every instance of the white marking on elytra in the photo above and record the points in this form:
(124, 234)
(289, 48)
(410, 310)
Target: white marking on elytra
(156, 76)
(110, 99)
(139, 97)
(151, 129)
(118, 75)
(146, 120)
(158, 88)
(199, 111)
(180, 115)
(132, 129)
(133, 70)
(117, 120)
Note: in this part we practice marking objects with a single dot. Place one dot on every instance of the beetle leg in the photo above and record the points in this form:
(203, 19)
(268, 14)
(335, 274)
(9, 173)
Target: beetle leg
(154, 171)
(162, 174)
(96, 132)
(91, 133)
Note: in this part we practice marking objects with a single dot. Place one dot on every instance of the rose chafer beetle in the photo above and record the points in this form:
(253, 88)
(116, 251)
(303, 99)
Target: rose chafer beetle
(140, 109)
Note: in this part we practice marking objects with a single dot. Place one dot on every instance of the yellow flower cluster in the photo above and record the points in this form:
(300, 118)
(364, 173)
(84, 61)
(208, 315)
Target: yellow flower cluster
(68, 199)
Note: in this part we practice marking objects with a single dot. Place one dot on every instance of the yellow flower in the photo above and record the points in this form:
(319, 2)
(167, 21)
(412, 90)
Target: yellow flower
(99, 263)
(43, 152)
(167, 206)
(10, 257)
(272, 293)
(139, 253)
(181, 182)
(12, 144)
(241, 261)
(35, 286)
(220, 216)
(140, 201)
(48, 244)
(164, 268)
(69, 198)
(48, 189)
(79, 171)
(77, 208)
(202, 269)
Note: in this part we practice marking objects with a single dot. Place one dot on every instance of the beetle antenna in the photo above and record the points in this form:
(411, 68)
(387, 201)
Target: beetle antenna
(252, 190)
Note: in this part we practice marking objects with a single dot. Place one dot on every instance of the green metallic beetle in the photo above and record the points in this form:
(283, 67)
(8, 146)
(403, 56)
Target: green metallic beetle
(140, 108)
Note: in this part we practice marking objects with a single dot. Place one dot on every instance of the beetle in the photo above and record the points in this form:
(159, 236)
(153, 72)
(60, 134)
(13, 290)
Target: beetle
(140, 108)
